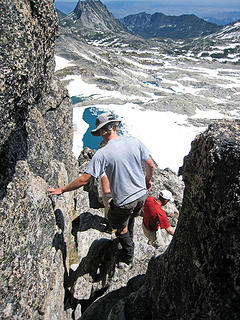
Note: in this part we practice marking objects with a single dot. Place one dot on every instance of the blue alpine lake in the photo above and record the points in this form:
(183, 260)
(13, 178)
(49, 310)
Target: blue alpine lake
(89, 116)
(76, 99)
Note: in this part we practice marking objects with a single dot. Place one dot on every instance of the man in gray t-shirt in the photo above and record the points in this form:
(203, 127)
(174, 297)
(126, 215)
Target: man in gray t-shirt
(121, 159)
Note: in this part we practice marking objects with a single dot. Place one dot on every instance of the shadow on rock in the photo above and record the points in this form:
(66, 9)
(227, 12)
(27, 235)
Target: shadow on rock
(86, 221)
(71, 302)
(13, 150)
(99, 263)
(58, 240)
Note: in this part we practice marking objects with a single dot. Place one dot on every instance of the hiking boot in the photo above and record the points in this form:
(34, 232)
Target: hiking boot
(122, 258)
(124, 265)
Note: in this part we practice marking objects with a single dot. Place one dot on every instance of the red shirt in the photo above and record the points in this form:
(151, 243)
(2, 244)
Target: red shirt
(154, 216)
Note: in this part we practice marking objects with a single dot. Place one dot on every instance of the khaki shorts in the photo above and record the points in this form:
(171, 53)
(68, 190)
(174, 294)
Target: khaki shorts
(158, 239)
(151, 235)
(118, 217)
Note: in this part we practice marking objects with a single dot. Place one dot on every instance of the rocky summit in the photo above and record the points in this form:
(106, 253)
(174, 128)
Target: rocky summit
(90, 17)
(57, 260)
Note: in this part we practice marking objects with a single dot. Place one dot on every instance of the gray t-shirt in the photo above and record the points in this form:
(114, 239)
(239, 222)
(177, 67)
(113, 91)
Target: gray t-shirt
(121, 159)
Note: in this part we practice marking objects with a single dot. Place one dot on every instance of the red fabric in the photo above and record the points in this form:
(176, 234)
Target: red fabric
(154, 216)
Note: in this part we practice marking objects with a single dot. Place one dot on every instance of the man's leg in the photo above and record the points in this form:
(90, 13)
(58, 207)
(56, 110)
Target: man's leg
(151, 235)
(162, 240)
(131, 226)
(127, 244)
(106, 201)
(123, 219)
(119, 218)
(126, 235)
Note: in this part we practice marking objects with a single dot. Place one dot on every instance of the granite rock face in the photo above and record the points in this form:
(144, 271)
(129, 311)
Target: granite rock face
(198, 276)
(35, 147)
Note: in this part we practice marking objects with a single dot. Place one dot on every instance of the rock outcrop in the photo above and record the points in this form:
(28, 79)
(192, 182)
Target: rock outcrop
(35, 146)
(198, 276)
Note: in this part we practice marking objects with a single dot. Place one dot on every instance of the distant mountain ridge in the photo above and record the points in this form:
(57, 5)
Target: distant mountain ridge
(159, 25)
(224, 18)
(91, 18)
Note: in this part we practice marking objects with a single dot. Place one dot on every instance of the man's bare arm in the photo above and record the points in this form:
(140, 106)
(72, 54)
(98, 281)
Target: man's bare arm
(75, 184)
(149, 172)
(105, 185)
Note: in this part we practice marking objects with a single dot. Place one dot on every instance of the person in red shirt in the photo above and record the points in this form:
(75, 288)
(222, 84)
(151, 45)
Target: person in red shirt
(156, 226)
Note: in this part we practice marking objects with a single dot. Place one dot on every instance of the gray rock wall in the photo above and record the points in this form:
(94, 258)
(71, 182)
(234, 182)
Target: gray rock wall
(35, 153)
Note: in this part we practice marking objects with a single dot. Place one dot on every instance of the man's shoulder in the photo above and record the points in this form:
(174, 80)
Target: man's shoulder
(121, 142)
(150, 198)
(132, 138)
(98, 154)
(129, 138)
(161, 211)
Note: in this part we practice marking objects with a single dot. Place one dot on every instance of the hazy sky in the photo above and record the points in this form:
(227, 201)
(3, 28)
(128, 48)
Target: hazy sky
(226, 3)
(215, 3)
(192, 2)
(174, 7)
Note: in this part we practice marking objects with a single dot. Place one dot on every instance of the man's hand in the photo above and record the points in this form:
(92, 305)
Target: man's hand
(57, 191)
(170, 230)
(148, 184)
(75, 184)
